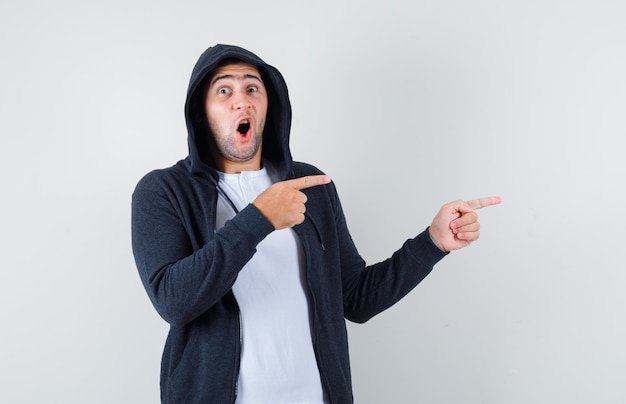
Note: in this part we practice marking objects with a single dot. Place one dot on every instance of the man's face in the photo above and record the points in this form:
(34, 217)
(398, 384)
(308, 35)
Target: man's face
(236, 108)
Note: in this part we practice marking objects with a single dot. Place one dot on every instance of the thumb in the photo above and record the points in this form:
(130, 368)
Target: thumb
(458, 208)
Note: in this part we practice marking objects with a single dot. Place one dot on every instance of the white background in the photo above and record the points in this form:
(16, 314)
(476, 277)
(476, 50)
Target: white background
(407, 105)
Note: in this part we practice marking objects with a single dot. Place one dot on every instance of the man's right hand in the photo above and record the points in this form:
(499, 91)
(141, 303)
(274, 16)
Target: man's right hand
(283, 203)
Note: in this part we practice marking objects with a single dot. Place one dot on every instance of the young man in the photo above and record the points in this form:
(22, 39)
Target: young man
(247, 255)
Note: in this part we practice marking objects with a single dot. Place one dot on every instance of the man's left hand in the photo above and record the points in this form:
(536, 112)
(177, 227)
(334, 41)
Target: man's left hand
(456, 225)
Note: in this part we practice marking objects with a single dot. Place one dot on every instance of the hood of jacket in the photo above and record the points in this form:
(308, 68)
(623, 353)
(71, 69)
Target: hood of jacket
(278, 121)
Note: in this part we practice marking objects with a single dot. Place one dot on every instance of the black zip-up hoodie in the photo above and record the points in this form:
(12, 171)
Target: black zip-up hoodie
(188, 268)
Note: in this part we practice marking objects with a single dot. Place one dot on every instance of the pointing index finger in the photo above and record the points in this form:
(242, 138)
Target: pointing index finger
(309, 181)
(483, 202)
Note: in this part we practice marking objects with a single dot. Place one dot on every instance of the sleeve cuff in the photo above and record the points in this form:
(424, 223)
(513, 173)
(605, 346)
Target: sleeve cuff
(251, 222)
(425, 250)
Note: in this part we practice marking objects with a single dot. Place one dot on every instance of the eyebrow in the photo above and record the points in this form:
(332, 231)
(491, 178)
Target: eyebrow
(230, 76)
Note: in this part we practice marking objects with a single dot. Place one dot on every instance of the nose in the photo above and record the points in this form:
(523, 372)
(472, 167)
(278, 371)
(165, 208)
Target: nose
(241, 102)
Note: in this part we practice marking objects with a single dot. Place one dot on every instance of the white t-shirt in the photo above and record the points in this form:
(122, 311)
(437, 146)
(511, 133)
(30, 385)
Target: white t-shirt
(278, 364)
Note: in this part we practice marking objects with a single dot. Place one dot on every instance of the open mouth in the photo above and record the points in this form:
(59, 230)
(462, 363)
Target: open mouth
(244, 127)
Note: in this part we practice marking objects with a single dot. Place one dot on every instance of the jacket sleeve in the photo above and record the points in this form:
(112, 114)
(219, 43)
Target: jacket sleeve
(371, 289)
(182, 280)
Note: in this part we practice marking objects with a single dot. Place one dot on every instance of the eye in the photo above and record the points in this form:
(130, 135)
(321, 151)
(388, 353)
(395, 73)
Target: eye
(223, 90)
(253, 89)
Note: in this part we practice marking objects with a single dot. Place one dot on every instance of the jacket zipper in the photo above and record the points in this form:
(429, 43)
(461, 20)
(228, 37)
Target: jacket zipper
(238, 353)
(325, 384)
